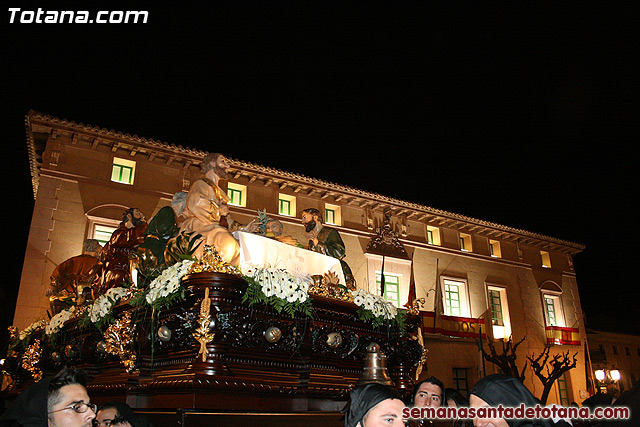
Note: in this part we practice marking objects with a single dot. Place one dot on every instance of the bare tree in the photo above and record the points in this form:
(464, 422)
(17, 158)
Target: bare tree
(506, 360)
(559, 363)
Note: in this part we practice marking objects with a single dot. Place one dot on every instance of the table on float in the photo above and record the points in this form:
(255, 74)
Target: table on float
(260, 251)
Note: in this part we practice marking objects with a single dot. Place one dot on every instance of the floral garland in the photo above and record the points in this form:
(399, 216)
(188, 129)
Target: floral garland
(32, 328)
(58, 320)
(376, 309)
(277, 288)
(102, 306)
(166, 286)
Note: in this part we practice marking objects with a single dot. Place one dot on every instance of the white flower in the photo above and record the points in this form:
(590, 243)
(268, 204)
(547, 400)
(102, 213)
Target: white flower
(38, 324)
(301, 295)
(378, 306)
(168, 282)
(368, 303)
(58, 320)
(279, 283)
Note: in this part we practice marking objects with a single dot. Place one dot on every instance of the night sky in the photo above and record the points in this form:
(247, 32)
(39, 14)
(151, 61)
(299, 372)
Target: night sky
(520, 116)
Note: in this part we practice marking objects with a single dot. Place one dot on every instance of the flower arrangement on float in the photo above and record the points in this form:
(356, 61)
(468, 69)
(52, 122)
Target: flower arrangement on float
(165, 289)
(376, 309)
(58, 320)
(277, 288)
(99, 312)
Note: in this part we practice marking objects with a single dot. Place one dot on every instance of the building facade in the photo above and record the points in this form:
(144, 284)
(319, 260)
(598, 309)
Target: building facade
(615, 360)
(480, 281)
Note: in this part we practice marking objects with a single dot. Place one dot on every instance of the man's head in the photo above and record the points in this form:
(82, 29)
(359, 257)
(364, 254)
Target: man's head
(68, 403)
(310, 217)
(216, 162)
(132, 217)
(274, 226)
(108, 412)
(91, 247)
(429, 392)
(374, 405)
(500, 389)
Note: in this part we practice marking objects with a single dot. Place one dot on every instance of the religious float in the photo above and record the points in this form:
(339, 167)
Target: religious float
(274, 333)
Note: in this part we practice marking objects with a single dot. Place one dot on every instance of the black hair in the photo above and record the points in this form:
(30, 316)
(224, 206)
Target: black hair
(122, 409)
(456, 396)
(67, 376)
(430, 380)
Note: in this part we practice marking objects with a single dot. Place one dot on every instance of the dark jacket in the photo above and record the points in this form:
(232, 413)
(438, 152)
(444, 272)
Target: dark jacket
(30, 407)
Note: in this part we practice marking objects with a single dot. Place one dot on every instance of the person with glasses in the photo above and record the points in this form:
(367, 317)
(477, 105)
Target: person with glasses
(60, 401)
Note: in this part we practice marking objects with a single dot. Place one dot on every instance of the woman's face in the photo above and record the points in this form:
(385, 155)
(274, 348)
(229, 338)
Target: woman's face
(476, 402)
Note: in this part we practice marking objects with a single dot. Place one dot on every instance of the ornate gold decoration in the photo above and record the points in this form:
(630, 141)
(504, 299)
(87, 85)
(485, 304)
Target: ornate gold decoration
(202, 333)
(118, 338)
(13, 333)
(414, 307)
(31, 358)
(212, 262)
(329, 286)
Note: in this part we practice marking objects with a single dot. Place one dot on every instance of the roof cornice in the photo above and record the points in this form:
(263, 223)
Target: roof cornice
(361, 198)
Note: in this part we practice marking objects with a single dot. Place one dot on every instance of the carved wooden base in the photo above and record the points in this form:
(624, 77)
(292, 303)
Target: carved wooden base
(257, 362)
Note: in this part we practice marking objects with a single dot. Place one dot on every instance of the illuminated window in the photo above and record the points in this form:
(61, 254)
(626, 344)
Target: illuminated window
(553, 310)
(550, 308)
(552, 303)
(494, 247)
(433, 235)
(286, 205)
(101, 228)
(238, 194)
(465, 242)
(391, 287)
(498, 306)
(495, 303)
(332, 214)
(102, 233)
(454, 297)
(546, 260)
(123, 171)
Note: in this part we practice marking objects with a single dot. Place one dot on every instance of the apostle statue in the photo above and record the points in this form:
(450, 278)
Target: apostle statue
(116, 269)
(72, 279)
(206, 211)
(327, 241)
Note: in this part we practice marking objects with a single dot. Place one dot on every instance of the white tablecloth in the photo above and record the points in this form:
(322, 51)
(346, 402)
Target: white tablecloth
(260, 251)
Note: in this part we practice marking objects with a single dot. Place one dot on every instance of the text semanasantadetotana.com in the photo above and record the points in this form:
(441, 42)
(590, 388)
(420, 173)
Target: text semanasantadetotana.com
(520, 412)
(40, 16)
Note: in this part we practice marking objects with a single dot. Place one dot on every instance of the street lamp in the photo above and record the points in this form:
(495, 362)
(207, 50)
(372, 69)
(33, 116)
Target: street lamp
(615, 375)
(605, 377)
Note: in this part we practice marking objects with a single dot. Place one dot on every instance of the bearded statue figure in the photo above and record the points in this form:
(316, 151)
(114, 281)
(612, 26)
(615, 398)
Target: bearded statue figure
(206, 211)
(327, 241)
(116, 269)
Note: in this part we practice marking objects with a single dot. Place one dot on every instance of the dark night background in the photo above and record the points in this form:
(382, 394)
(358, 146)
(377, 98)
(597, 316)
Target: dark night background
(517, 115)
